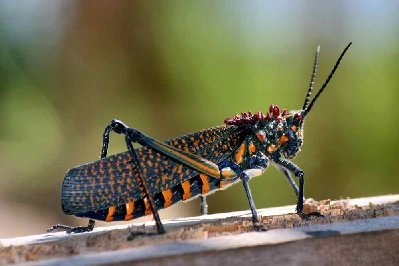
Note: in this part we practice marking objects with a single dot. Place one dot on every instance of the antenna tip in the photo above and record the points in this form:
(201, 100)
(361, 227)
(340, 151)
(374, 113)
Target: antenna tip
(318, 49)
(307, 108)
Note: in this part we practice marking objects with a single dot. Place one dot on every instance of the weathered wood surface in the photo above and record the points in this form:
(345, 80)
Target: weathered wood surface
(356, 231)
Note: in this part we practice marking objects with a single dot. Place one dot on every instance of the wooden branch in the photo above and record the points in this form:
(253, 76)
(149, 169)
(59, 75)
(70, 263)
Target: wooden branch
(356, 231)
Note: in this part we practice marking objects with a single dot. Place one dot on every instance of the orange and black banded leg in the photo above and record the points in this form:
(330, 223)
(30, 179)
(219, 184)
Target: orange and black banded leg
(290, 166)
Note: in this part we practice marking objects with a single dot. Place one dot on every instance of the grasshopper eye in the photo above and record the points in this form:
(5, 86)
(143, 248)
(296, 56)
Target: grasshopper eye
(298, 119)
(261, 135)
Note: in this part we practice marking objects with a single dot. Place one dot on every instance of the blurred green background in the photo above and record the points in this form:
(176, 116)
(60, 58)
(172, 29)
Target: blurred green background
(172, 67)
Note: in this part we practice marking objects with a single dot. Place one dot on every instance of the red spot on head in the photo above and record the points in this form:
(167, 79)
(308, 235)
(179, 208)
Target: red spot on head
(245, 118)
(271, 108)
(261, 135)
(228, 121)
(259, 116)
(276, 111)
(249, 118)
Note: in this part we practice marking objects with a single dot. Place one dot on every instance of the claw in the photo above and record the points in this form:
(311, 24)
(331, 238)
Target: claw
(134, 235)
(260, 227)
(70, 229)
(51, 229)
(58, 226)
(78, 229)
(305, 216)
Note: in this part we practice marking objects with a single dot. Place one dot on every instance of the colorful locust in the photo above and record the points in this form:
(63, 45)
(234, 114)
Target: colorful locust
(141, 181)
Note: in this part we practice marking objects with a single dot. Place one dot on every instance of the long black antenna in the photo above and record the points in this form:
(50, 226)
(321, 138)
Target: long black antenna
(309, 107)
(314, 73)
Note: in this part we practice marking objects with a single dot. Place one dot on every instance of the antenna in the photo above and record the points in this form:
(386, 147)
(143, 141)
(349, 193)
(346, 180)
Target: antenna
(309, 107)
(311, 85)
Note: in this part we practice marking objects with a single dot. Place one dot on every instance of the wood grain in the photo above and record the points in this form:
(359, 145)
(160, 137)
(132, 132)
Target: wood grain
(354, 231)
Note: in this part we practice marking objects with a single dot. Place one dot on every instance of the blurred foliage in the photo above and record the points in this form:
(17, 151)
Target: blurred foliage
(173, 67)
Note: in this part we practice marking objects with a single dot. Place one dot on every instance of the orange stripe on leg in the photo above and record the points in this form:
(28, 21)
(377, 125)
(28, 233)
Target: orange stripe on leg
(205, 184)
(129, 211)
(110, 215)
(167, 196)
(186, 188)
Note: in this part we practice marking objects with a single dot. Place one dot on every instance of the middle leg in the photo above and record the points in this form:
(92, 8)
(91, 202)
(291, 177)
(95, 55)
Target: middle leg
(290, 166)
(290, 181)
(258, 225)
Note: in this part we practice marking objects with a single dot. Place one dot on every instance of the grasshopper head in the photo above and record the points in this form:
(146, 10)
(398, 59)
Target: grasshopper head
(291, 138)
(281, 132)
(277, 131)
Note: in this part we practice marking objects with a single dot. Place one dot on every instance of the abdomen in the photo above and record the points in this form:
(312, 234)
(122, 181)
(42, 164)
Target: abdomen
(190, 189)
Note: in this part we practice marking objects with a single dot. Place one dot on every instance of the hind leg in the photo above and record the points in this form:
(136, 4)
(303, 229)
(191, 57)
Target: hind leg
(91, 224)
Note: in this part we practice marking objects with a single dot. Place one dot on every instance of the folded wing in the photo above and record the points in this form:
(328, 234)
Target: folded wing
(114, 180)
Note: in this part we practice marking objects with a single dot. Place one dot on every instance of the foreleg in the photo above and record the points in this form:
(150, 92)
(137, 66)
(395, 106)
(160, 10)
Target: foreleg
(296, 171)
